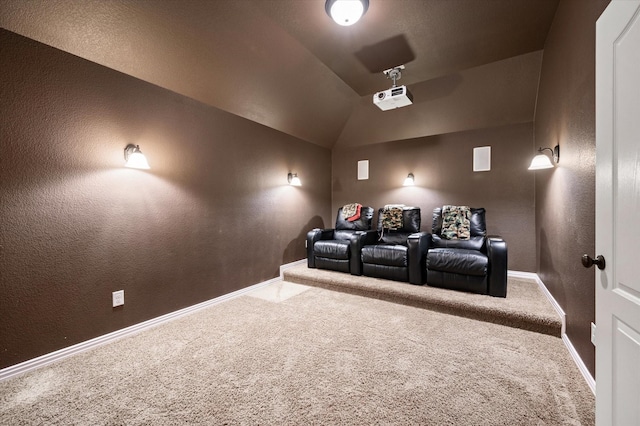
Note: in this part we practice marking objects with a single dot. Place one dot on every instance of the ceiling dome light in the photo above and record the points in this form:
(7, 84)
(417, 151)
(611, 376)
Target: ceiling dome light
(346, 12)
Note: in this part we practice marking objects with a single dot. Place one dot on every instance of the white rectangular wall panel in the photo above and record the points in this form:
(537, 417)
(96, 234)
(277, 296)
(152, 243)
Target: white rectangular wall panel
(482, 159)
(363, 169)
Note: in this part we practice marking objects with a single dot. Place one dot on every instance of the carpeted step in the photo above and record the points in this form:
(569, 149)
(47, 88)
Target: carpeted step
(525, 306)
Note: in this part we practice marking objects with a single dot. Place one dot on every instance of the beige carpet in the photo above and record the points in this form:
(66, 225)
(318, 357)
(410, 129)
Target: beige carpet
(292, 355)
(524, 307)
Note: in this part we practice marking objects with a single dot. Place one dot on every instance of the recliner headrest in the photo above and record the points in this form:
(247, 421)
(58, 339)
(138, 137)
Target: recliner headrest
(410, 218)
(477, 221)
(362, 224)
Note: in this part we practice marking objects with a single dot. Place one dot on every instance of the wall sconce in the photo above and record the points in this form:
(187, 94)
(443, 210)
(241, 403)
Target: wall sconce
(346, 12)
(293, 179)
(409, 180)
(135, 158)
(542, 161)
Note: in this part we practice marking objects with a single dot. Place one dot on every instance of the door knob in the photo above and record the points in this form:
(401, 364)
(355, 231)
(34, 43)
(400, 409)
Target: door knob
(588, 261)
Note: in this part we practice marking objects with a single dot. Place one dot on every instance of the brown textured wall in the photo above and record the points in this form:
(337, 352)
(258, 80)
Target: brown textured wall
(565, 196)
(184, 46)
(443, 171)
(213, 215)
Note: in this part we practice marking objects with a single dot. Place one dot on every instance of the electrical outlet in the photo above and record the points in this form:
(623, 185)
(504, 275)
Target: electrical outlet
(593, 333)
(118, 298)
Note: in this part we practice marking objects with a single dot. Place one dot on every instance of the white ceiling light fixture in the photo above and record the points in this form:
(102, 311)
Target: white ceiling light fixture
(346, 12)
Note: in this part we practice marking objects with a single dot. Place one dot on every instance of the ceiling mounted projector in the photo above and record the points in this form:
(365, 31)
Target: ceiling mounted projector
(397, 96)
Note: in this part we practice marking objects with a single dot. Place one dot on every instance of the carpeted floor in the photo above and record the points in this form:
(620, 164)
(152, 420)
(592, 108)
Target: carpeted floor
(524, 307)
(292, 354)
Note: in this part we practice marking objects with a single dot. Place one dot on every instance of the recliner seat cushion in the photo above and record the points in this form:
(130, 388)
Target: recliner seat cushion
(332, 249)
(457, 261)
(395, 238)
(473, 243)
(341, 265)
(388, 255)
(343, 235)
(396, 273)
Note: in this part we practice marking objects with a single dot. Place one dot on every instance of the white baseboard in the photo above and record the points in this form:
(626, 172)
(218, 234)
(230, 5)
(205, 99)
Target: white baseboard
(555, 304)
(520, 274)
(58, 355)
(583, 368)
(565, 339)
(533, 276)
(291, 265)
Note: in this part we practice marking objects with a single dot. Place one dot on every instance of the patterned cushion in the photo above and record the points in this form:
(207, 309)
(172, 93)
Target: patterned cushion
(455, 222)
(392, 217)
(350, 210)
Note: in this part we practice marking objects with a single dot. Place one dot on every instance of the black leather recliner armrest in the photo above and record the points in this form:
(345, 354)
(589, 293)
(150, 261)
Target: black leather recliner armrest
(418, 244)
(314, 235)
(497, 253)
(360, 239)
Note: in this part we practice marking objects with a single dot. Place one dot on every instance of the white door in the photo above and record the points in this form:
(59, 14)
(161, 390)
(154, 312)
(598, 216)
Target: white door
(618, 214)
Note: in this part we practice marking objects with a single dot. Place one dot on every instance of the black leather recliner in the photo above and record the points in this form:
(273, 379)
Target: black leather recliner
(477, 265)
(339, 248)
(400, 254)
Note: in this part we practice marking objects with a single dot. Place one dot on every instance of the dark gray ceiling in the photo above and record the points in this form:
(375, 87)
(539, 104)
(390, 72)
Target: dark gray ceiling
(433, 37)
(287, 65)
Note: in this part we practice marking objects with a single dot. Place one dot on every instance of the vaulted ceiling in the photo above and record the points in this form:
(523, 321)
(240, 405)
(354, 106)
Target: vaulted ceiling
(287, 65)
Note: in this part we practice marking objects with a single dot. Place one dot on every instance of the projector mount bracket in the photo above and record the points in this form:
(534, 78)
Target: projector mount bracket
(394, 74)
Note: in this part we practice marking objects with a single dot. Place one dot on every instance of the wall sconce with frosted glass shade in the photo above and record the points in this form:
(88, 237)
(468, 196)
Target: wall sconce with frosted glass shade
(409, 180)
(293, 179)
(542, 160)
(135, 158)
(346, 12)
